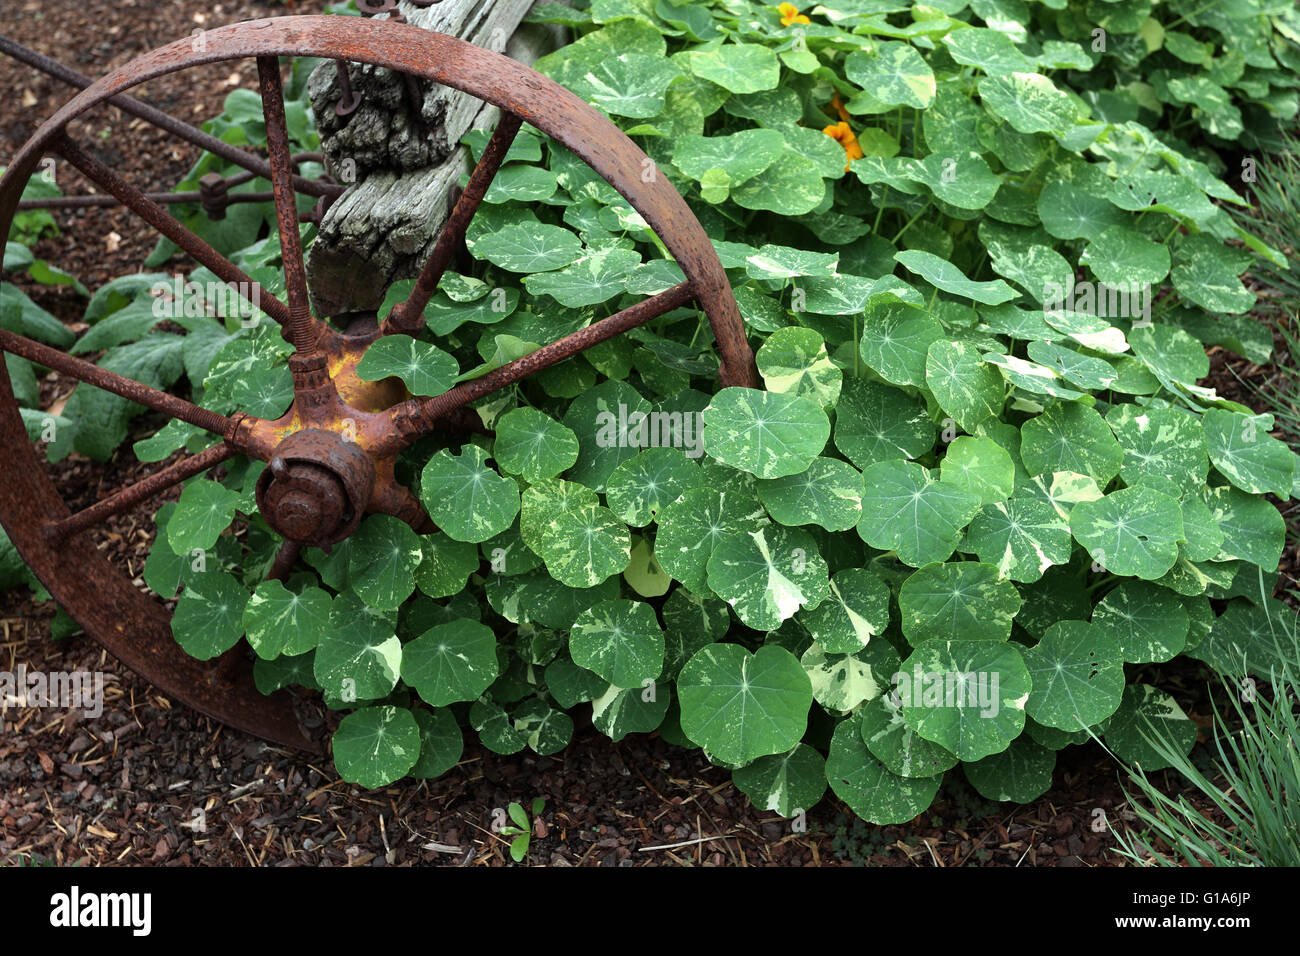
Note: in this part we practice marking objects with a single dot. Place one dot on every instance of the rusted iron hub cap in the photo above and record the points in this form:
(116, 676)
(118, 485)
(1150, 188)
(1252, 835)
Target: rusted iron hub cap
(316, 488)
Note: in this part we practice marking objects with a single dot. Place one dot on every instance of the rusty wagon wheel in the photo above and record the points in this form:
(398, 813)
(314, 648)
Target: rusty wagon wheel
(319, 484)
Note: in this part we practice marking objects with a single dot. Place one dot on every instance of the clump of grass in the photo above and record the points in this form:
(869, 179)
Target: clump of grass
(1255, 787)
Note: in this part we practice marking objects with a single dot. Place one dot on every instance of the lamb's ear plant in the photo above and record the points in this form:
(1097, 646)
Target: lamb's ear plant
(980, 254)
(1254, 787)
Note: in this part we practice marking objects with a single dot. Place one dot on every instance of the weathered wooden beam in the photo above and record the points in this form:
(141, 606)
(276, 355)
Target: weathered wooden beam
(404, 157)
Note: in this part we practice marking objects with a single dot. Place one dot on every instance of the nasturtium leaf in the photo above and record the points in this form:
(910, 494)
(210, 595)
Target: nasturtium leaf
(943, 275)
(532, 444)
(1246, 454)
(896, 745)
(495, 729)
(1038, 269)
(765, 433)
(981, 466)
(629, 84)
(441, 743)
(1253, 529)
(837, 294)
(768, 574)
(875, 422)
(1030, 102)
(690, 528)
(1148, 622)
(542, 502)
(1132, 532)
(967, 696)
(893, 73)
(791, 186)
(742, 155)
(1120, 255)
(741, 706)
(1071, 212)
(279, 621)
(619, 711)
(451, 662)
(962, 180)
(570, 684)
(445, 566)
(737, 67)
(855, 610)
(963, 384)
(1022, 536)
(1145, 713)
(640, 488)
(466, 498)
(895, 340)
(1032, 376)
(597, 277)
(381, 566)
(905, 510)
(423, 368)
(793, 361)
(584, 545)
(871, 790)
(787, 783)
(1021, 773)
(546, 729)
(963, 600)
(1205, 272)
(1172, 354)
(613, 422)
(786, 262)
(1077, 671)
(205, 509)
(1081, 371)
(619, 640)
(375, 746)
(1160, 443)
(1069, 436)
(528, 247)
(208, 620)
(361, 656)
(1249, 638)
(841, 682)
(828, 493)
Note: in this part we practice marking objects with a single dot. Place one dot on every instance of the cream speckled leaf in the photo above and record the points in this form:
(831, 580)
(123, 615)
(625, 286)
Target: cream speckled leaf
(942, 274)
(466, 498)
(1022, 773)
(1247, 455)
(896, 745)
(451, 662)
(741, 706)
(619, 640)
(787, 783)
(1148, 712)
(964, 386)
(828, 494)
(585, 545)
(279, 621)
(868, 787)
(1131, 532)
(963, 600)
(1022, 536)
(690, 528)
(981, 466)
(793, 361)
(381, 565)
(1148, 622)
(855, 611)
(1163, 443)
(767, 575)
(893, 73)
(967, 696)
(640, 488)
(840, 682)
(875, 422)
(895, 340)
(1069, 436)
(532, 444)
(1077, 671)
(767, 434)
(1030, 102)
(905, 510)
(375, 746)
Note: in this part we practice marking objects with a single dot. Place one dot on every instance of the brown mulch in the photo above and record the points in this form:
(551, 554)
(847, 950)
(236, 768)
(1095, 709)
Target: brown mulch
(152, 783)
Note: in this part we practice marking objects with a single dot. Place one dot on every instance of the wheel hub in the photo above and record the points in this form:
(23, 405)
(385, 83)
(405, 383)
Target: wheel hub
(316, 487)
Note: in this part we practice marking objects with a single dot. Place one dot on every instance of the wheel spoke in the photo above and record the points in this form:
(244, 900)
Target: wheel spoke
(128, 388)
(169, 226)
(418, 416)
(284, 560)
(302, 331)
(408, 317)
(142, 490)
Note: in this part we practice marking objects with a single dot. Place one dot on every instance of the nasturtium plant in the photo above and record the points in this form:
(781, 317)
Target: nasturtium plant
(980, 258)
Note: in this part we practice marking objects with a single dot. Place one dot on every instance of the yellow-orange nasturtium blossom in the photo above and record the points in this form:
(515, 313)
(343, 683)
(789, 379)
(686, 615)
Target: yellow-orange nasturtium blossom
(838, 107)
(790, 15)
(844, 136)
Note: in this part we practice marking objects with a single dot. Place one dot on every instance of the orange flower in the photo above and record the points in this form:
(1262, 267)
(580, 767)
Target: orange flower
(790, 14)
(841, 133)
(838, 107)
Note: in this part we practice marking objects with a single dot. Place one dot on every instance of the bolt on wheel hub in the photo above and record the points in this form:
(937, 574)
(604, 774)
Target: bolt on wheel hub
(316, 487)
